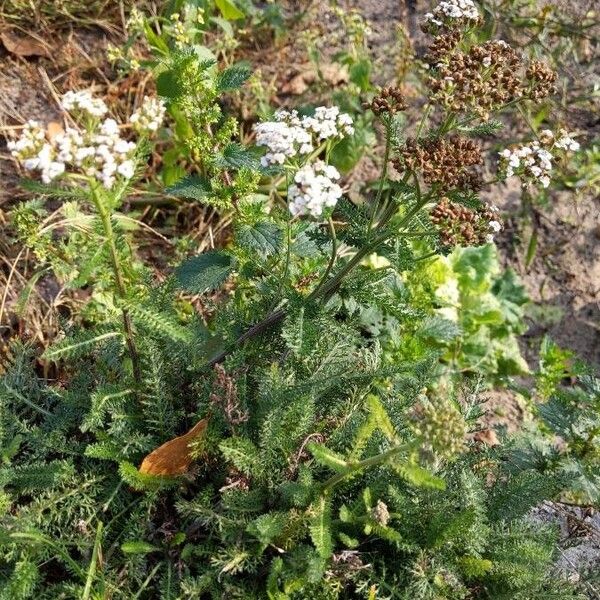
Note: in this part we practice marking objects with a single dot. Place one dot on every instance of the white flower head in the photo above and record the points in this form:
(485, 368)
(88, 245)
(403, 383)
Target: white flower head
(452, 12)
(149, 116)
(314, 189)
(83, 102)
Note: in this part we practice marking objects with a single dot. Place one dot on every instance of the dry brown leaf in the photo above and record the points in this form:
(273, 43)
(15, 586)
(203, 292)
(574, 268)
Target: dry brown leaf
(23, 45)
(173, 457)
(53, 129)
(487, 437)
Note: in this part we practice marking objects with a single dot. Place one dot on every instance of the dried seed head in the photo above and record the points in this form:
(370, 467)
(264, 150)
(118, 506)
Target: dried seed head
(443, 162)
(380, 513)
(389, 100)
(460, 226)
(541, 79)
(481, 79)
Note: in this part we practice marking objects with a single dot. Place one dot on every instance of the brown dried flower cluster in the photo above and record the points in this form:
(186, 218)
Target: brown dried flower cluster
(225, 396)
(461, 226)
(442, 46)
(389, 100)
(443, 162)
(479, 80)
(542, 80)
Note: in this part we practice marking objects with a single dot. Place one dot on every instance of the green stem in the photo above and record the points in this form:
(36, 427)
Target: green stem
(423, 120)
(93, 563)
(384, 168)
(105, 218)
(332, 259)
(372, 461)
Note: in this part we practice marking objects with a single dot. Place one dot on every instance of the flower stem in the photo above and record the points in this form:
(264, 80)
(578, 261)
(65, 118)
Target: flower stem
(105, 218)
(372, 461)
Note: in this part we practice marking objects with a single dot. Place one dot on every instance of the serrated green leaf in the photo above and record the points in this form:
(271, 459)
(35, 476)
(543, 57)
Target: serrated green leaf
(205, 272)
(232, 78)
(241, 453)
(439, 330)
(320, 527)
(327, 457)
(236, 156)
(194, 187)
(267, 527)
(264, 238)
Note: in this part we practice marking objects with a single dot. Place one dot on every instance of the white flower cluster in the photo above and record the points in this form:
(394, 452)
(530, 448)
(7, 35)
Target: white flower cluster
(83, 102)
(289, 135)
(329, 123)
(495, 226)
(284, 138)
(452, 10)
(314, 189)
(36, 153)
(149, 116)
(564, 142)
(534, 161)
(97, 151)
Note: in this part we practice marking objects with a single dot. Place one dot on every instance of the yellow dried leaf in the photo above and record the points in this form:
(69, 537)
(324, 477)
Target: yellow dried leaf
(173, 457)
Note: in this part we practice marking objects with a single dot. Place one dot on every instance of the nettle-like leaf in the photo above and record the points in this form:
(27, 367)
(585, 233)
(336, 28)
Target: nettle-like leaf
(194, 187)
(235, 156)
(439, 330)
(233, 77)
(264, 238)
(204, 273)
(267, 527)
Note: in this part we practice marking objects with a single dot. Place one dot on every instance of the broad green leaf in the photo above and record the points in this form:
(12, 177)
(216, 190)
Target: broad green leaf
(235, 156)
(232, 78)
(168, 85)
(360, 73)
(264, 238)
(267, 527)
(439, 330)
(194, 187)
(229, 10)
(205, 272)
